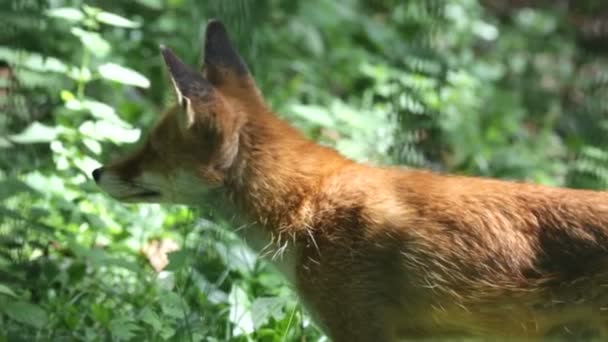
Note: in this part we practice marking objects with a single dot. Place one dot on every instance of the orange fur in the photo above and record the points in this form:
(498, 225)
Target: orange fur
(378, 254)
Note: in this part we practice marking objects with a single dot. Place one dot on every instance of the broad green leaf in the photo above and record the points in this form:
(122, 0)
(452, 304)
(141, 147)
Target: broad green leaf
(116, 20)
(92, 41)
(264, 308)
(26, 313)
(5, 290)
(36, 133)
(123, 75)
(177, 260)
(68, 13)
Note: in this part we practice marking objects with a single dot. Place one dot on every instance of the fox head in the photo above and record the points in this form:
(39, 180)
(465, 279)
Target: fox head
(193, 145)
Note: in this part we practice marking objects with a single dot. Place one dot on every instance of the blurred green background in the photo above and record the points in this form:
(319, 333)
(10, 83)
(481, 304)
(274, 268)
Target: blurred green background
(507, 89)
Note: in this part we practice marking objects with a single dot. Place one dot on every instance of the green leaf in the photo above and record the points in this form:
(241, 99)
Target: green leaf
(152, 318)
(5, 290)
(68, 13)
(67, 95)
(100, 313)
(123, 75)
(173, 305)
(26, 313)
(122, 330)
(240, 313)
(10, 187)
(36, 133)
(116, 20)
(264, 308)
(5, 143)
(12, 214)
(105, 130)
(97, 109)
(153, 4)
(314, 114)
(33, 61)
(92, 41)
(177, 260)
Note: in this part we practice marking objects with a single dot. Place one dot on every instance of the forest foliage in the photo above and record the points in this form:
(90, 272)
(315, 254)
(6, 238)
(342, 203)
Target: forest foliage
(468, 87)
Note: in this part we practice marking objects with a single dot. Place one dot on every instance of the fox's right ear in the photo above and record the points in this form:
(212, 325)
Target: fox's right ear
(223, 66)
(191, 88)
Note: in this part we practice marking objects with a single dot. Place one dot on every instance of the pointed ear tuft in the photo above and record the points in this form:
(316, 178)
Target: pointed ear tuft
(188, 82)
(221, 59)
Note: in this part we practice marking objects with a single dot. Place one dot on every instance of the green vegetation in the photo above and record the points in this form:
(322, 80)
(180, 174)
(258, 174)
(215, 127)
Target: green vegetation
(490, 88)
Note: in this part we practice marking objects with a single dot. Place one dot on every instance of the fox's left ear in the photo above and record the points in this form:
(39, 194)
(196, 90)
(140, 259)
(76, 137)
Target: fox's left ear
(191, 87)
(223, 66)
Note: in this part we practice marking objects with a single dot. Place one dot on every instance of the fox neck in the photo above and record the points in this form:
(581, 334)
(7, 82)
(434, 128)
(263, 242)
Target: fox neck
(276, 174)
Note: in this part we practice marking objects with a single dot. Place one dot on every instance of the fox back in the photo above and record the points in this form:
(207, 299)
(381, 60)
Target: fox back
(374, 253)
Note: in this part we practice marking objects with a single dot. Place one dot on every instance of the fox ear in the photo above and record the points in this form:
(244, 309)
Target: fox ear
(190, 86)
(223, 66)
(220, 56)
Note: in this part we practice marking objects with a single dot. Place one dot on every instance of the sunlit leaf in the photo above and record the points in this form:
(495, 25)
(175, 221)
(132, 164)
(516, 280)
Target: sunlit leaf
(123, 75)
(116, 20)
(92, 41)
(153, 4)
(97, 109)
(105, 130)
(68, 13)
(67, 95)
(93, 145)
(313, 114)
(264, 308)
(240, 312)
(36, 132)
(33, 61)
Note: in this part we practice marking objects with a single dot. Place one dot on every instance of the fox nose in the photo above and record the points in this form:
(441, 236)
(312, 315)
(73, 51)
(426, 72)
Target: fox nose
(97, 174)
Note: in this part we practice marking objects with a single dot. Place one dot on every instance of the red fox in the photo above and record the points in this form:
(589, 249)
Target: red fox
(374, 253)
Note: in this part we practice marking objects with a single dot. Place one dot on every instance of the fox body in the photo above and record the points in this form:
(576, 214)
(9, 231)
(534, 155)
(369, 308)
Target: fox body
(375, 254)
